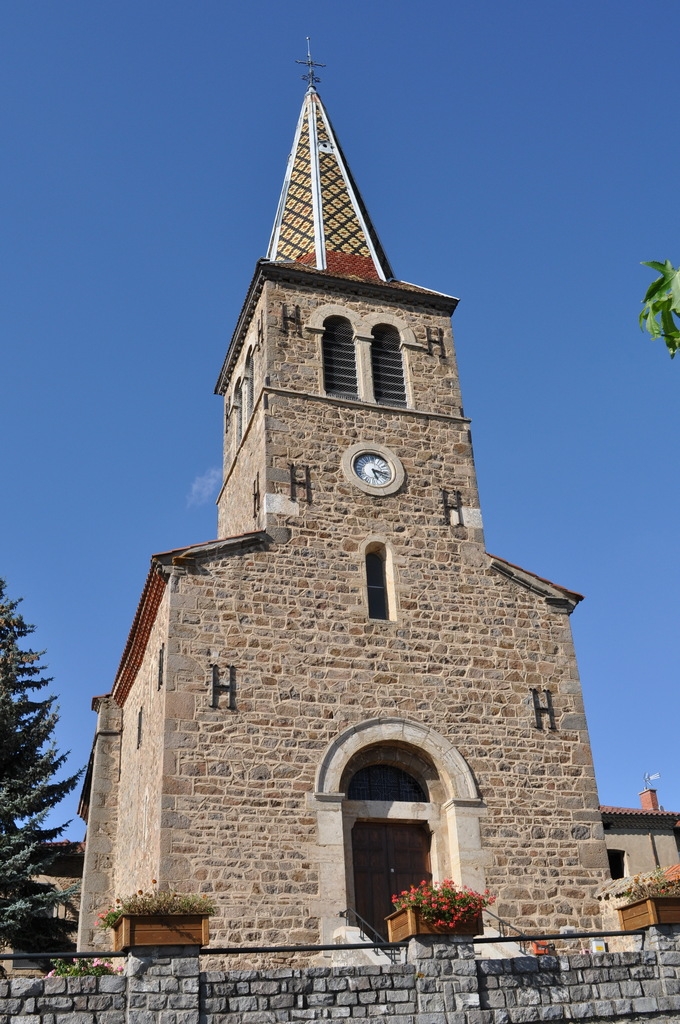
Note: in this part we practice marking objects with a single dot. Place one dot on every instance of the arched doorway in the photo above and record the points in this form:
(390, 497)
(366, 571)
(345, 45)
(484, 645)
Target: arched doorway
(395, 803)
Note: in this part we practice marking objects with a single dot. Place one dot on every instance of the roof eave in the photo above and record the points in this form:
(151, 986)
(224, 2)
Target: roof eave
(152, 596)
(554, 593)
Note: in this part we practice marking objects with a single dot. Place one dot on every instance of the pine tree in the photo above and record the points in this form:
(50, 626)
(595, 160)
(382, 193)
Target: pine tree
(29, 763)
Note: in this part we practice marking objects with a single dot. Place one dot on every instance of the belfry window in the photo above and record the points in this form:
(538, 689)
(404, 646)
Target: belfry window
(387, 365)
(385, 782)
(376, 585)
(248, 382)
(238, 411)
(339, 358)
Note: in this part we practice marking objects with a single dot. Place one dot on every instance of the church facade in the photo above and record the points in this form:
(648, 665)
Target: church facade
(344, 693)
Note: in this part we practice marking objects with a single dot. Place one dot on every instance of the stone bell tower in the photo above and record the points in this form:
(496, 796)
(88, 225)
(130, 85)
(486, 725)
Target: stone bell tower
(344, 693)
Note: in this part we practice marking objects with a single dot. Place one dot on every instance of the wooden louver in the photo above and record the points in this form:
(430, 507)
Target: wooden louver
(339, 359)
(388, 368)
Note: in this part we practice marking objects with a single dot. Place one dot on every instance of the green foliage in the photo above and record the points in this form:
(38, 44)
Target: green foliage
(152, 902)
(28, 764)
(444, 903)
(662, 305)
(82, 966)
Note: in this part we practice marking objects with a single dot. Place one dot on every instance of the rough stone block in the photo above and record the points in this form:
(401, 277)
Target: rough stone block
(53, 986)
(645, 1004)
(264, 988)
(490, 966)
(337, 984)
(138, 1017)
(107, 983)
(54, 1003)
(282, 1001)
(493, 1000)
(346, 999)
(525, 964)
(320, 999)
(20, 988)
(239, 1004)
(521, 1014)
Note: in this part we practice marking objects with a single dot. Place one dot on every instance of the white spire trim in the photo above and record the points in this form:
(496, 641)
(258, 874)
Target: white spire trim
(276, 230)
(315, 174)
(350, 192)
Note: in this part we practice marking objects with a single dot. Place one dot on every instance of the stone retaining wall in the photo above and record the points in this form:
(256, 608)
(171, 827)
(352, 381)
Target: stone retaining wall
(442, 983)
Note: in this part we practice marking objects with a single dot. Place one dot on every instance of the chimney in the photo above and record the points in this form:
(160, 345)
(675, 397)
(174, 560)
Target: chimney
(648, 800)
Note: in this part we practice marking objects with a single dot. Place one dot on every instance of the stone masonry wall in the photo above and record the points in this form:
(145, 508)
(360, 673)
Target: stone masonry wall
(441, 983)
(466, 648)
(291, 362)
(239, 815)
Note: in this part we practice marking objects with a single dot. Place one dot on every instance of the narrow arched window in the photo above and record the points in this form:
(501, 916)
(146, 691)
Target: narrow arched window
(238, 411)
(387, 364)
(339, 358)
(376, 585)
(248, 382)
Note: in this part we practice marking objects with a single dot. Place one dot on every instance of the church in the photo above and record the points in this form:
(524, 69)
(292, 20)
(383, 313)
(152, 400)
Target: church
(343, 693)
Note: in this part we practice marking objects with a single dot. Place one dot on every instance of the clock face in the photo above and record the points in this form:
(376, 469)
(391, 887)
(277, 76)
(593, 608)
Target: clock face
(373, 469)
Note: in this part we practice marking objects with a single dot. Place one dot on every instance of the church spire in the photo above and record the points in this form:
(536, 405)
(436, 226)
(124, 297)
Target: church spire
(321, 220)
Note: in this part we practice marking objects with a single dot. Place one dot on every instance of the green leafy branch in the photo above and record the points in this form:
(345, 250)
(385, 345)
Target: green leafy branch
(662, 305)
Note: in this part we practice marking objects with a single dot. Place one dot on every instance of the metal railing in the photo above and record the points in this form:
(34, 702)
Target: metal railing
(506, 930)
(371, 934)
(319, 947)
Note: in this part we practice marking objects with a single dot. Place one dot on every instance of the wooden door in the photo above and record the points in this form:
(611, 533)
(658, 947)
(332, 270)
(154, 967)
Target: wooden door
(387, 859)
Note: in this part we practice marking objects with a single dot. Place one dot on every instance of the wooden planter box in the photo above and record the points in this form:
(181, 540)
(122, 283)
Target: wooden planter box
(171, 930)
(404, 924)
(655, 910)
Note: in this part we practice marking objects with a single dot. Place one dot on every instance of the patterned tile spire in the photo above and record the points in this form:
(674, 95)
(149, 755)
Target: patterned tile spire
(321, 220)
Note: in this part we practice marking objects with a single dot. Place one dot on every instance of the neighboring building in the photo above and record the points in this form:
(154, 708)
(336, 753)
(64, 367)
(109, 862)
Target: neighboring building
(66, 871)
(640, 839)
(343, 693)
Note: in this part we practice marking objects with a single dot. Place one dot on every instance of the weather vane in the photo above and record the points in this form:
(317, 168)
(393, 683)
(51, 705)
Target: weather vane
(311, 64)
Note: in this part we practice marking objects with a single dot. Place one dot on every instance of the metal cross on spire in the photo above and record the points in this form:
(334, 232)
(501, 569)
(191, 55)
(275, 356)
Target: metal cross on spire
(310, 77)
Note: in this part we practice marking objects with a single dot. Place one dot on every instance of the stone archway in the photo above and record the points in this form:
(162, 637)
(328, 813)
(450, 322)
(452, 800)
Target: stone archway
(451, 815)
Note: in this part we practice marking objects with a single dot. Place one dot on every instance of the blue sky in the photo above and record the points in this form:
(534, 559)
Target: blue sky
(514, 155)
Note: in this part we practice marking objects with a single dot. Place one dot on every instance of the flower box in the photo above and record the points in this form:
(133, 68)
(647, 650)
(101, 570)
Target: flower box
(653, 910)
(404, 924)
(161, 930)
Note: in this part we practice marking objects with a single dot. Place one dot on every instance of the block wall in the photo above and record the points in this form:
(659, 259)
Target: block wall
(442, 983)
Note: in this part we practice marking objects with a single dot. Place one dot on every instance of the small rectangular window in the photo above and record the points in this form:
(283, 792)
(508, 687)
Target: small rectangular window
(617, 863)
(161, 665)
(140, 715)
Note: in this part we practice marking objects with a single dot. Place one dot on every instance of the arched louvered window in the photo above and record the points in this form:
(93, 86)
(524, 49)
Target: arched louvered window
(388, 367)
(339, 358)
(248, 383)
(385, 782)
(376, 585)
(238, 411)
